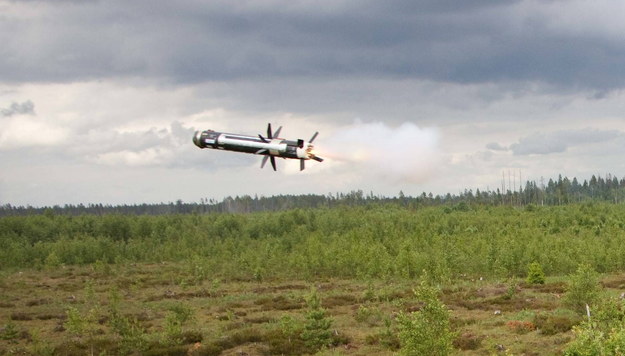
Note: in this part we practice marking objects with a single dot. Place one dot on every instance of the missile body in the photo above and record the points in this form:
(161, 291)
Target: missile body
(270, 146)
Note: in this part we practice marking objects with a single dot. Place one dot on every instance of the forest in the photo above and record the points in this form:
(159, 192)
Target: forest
(339, 274)
(554, 192)
(370, 241)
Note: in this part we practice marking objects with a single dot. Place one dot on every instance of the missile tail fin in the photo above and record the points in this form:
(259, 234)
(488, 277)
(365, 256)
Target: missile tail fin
(275, 134)
(273, 162)
(314, 137)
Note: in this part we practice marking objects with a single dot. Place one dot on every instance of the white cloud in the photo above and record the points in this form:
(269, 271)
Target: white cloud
(147, 157)
(19, 132)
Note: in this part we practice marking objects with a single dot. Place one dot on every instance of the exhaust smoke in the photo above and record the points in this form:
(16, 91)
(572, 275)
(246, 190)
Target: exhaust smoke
(405, 153)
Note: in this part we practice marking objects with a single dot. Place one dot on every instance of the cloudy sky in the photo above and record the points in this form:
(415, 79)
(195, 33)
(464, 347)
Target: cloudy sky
(99, 99)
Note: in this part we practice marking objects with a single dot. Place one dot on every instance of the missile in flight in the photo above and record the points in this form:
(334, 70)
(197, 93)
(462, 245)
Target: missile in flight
(270, 146)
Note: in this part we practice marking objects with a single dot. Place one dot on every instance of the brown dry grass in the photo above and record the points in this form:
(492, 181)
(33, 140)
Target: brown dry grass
(244, 317)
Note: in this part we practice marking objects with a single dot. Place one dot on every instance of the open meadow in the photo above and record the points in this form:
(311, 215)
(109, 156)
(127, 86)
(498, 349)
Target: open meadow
(329, 281)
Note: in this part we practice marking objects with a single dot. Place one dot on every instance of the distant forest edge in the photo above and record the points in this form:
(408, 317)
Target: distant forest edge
(554, 192)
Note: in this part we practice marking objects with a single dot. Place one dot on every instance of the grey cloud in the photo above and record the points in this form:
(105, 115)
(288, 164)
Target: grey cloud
(560, 141)
(494, 146)
(25, 108)
(173, 144)
(195, 41)
(537, 144)
(180, 133)
(111, 140)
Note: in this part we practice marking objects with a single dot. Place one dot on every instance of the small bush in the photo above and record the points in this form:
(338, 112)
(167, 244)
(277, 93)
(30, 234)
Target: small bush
(174, 331)
(604, 334)
(102, 268)
(609, 313)
(81, 324)
(583, 289)
(280, 345)
(52, 261)
(316, 332)
(520, 327)
(371, 316)
(556, 322)
(133, 336)
(427, 331)
(9, 332)
(86, 327)
(468, 341)
(535, 274)
(589, 341)
(615, 344)
(239, 338)
(387, 338)
(40, 346)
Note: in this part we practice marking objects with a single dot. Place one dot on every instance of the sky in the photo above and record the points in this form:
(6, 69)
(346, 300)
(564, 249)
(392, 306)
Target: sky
(99, 100)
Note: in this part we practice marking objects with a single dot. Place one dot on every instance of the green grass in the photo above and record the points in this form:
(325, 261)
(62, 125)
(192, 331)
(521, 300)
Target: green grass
(239, 283)
(264, 318)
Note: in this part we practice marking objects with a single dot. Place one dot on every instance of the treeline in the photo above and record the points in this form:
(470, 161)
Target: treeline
(371, 241)
(553, 192)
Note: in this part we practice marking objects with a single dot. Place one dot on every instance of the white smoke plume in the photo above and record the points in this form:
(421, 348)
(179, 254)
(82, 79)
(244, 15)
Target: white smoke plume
(405, 153)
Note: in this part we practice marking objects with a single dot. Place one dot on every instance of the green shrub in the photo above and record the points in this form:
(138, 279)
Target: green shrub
(387, 337)
(52, 261)
(427, 331)
(9, 332)
(558, 321)
(604, 334)
(583, 289)
(615, 344)
(290, 327)
(316, 332)
(285, 338)
(372, 316)
(609, 313)
(102, 268)
(133, 336)
(589, 341)
(84, 325)
(179, 314)
(535, 274)
(79, 324)
(40, 346)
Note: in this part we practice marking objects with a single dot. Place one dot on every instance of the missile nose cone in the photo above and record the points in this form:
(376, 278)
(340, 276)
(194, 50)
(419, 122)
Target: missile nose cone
(196, 139)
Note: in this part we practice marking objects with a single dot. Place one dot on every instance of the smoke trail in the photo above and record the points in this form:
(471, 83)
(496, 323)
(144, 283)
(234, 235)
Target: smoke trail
(405, 153)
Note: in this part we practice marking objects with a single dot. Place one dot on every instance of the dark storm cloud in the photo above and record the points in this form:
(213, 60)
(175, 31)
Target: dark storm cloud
(25, 108)
(197, 41)
(560, 141)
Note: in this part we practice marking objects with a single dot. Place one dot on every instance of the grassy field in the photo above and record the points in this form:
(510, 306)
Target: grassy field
(152, 309)
(332, 281)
